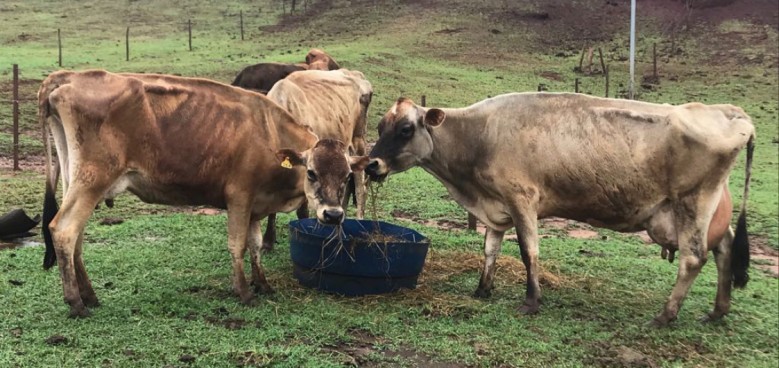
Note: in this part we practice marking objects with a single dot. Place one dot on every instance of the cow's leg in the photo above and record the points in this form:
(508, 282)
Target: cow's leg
(360, 192)
(269, 239)
(693, 215)
(492, 243)
(722, 254)
(84, 285)
(360, 183)
(66, 230)
(259, 282)
(527, 236)
(237, 231)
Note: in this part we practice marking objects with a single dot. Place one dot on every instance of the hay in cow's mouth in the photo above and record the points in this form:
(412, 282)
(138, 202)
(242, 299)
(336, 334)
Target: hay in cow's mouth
(376, 178)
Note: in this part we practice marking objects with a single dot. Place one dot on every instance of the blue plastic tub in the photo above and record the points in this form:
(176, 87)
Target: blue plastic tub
(360, 262)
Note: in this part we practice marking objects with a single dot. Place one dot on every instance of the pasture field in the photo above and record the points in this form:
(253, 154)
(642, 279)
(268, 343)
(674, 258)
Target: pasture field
(163, 274)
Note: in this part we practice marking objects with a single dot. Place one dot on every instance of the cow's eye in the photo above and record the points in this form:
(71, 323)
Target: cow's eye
(407, 130)
(311, 175)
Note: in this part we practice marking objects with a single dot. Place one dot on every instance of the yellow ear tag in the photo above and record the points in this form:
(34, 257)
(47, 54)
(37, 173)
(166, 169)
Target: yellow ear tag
(286, 164)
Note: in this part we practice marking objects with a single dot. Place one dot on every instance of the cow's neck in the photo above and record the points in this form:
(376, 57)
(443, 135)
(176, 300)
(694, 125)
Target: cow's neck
(458, 151)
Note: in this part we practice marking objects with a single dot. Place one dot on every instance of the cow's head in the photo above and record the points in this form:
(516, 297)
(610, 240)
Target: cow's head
(328, 169)
(404, 138)
(320, 60)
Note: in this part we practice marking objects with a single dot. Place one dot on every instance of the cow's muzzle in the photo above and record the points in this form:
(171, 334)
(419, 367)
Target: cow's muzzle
(331, 216)
(377, 169)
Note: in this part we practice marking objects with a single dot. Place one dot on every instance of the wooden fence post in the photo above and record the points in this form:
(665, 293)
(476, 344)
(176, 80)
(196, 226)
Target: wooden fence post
(654, 61)
(602, 64)
(189, 28)
(606, 70)
(59, 48)
(241, 25)
(16, 116)
(576, 85)
(423, 101)
(127, 45)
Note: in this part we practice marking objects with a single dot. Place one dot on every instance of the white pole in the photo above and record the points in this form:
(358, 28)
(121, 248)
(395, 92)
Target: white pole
(632, 84)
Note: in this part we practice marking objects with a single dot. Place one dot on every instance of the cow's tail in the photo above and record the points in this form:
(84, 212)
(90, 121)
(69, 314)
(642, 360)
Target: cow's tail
(52, 176)
(739, 260)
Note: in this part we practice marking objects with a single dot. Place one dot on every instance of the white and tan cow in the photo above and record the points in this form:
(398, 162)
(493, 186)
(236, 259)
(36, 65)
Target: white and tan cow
(178, 141)
(619, 164)
(335, 105)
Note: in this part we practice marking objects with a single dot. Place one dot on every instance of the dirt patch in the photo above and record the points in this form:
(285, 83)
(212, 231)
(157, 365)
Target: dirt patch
(764, 257)
(109, 221)
(582, 234)
(363, 351)
(449, 30)
(573, 229)
(26, 163)
(16, 332)
(605, 354)
(207, 211)
(56, 340)
(551, 76)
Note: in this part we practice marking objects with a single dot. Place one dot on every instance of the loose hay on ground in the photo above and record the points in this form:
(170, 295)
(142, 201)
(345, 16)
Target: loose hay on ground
(443, 265)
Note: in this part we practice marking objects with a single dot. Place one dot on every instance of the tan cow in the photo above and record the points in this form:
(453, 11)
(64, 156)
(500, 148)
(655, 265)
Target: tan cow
(335, 105)
(178, 141)
(619, 164)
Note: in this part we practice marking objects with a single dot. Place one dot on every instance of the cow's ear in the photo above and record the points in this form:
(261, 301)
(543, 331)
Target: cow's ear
(434, 117)
(289, 158)
(358, 163)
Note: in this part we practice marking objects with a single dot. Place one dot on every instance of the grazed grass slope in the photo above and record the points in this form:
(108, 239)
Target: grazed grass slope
(164, 276)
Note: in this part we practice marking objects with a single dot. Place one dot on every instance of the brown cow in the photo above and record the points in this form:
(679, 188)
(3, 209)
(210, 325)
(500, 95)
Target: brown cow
(261, 77)
(619, 164)
(335, 105)
(178, 141)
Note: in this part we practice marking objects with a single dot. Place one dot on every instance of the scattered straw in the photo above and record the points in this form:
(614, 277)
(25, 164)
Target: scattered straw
(441, 266)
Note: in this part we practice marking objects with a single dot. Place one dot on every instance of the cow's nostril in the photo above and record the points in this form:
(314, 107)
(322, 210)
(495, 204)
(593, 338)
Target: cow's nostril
(373, 167)
(333, 216)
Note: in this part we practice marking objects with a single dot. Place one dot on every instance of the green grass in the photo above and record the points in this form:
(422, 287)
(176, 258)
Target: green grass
(163, 275)
(164, 284)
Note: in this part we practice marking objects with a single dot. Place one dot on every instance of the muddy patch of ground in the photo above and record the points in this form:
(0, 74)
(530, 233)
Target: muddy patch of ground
(367, 350)
(764, 257)
(26, 163)
(571, 228)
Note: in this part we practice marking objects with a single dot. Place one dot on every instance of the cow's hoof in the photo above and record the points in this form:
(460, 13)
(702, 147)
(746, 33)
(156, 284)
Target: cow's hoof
(263, 289)
(79, 312)
(267, 247)
(711, 317)
(91, 302)
(249, 301)
(528, 309)
(482, 293)
(660, 321)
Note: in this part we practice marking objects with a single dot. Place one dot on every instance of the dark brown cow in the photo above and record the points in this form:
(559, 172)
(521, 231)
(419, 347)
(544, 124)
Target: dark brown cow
(261, 77)
(618, 164)
(178, 141)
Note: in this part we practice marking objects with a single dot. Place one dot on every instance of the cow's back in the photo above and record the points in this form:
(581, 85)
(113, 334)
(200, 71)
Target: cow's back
(177, 140)
(328, 101)
(261, 77)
